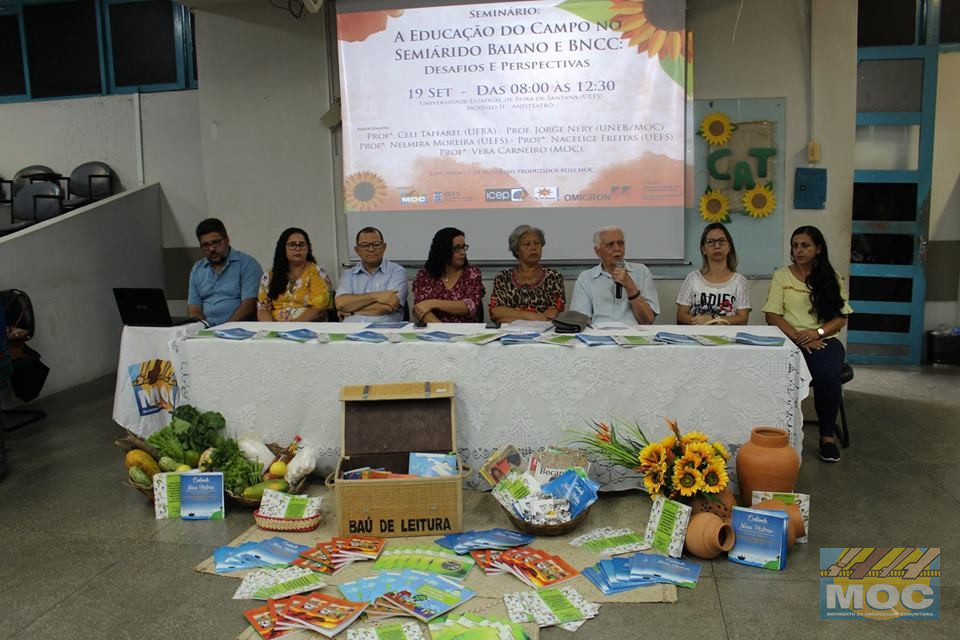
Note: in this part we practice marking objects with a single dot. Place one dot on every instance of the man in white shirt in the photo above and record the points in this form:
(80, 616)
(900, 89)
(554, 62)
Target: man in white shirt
(595, 293)
(376, 289)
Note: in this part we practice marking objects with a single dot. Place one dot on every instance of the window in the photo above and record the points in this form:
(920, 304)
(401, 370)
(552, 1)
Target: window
(143, 43)
(63, 49)
(11, 71)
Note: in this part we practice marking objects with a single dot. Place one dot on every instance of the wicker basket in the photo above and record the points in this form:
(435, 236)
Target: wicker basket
(249, 502)
(290, 525)
(546, 529)
(147, 491)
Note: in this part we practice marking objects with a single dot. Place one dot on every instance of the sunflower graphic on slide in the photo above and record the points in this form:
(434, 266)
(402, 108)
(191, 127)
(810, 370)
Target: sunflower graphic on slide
(364, 191)
(654, 26)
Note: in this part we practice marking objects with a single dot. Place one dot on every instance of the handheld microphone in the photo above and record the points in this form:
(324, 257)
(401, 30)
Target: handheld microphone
(620, 265)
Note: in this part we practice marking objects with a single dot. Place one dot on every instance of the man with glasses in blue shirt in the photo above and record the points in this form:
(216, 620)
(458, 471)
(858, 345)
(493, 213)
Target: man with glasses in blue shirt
(375, 290)
(224, 284)
(614, 290)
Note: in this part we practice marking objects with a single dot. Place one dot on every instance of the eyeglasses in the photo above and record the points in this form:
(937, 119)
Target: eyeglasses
(615, 243)
(297, 245)
(367, 246)
(212, 244)
(461, 247)
(715, 242)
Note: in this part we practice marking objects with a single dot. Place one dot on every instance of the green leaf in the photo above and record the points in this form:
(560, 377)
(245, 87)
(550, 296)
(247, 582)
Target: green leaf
(588, 10)
(674, 68)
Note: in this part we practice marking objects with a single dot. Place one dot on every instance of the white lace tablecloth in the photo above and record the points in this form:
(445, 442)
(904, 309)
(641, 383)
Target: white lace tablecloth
(527, 395)
(146, 387)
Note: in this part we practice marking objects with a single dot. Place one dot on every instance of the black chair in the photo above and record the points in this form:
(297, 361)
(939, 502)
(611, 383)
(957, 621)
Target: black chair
(33, 203)
(29, 373)
(843, 429)
(89, 182)
(30, 175)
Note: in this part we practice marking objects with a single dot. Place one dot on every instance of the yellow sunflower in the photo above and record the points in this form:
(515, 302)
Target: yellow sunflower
(669, 442)
(689, 460)
(759, 202)
(686, 481)
(364, 191)
(721, 450)
(694, 436)
(716, 128)
(714, 206)
(714, 477)
(652, 455)
(701, 451)
(654, 26)
(653, 478)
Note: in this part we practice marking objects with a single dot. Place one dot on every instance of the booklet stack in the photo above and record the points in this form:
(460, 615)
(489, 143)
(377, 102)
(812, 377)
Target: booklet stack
(397, 631)
(761, 538)
(535, 567)
(329, 556)
(272, 552)
(563, 607)
(419, 594)
(316, 611)
(469, 541)
(559, 501)
(616, 575)
(265, 584)
(473, 627)
(432, 559)
(611, 542)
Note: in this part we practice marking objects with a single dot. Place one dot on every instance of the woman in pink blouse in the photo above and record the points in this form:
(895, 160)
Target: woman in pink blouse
(447, 288)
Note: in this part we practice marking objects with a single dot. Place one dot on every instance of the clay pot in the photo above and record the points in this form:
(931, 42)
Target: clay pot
(767, 463)
(795, 529)
(708, 536)
(721, 507)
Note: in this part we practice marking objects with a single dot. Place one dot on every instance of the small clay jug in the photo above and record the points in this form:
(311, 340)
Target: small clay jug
(721, 505)
(708, 536)
(795, 529)
(767, 463)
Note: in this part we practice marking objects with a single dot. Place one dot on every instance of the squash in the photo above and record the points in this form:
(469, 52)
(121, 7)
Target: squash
(139, 477)
(143, 460)
(167, 463)
(256, 491)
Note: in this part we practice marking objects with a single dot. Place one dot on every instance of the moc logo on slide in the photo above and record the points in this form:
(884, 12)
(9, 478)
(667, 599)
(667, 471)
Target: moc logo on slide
(880, 583)
(413, 196)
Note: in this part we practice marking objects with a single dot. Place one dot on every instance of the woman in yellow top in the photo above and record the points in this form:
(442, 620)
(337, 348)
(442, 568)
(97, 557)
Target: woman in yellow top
(295, 289)
(807, 302)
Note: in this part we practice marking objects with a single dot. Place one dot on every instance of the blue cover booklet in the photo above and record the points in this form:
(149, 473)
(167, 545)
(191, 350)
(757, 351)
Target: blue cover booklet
(201, 496)
(761, 538)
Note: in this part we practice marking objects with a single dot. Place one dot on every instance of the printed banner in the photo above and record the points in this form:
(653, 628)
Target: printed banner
(154, 386)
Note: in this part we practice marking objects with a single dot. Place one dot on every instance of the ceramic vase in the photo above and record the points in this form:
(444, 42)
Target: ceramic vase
(708, 536)
(766, 463)
(795, 529)
(721, 505)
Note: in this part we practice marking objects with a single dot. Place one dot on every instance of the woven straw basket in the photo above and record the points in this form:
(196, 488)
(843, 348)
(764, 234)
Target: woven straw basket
(291, 525)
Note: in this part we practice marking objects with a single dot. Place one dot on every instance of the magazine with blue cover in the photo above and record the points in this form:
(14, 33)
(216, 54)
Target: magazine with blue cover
(667, 337)
(367, 336)
(594, 340)
(519, 338)
(579, 491)
(426, 597)
(743, 337)
(386, 325)
(297, 335)
(438, 336)
(236, 333)
(432, 465)
(761, 538)
(678, 571)
(201, 496)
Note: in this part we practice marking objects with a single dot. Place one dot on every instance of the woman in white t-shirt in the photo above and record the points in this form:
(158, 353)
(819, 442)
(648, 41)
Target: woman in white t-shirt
(716, 293)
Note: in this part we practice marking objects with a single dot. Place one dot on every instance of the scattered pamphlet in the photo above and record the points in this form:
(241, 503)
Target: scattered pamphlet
(611, 542)
(366, 336)
(633, 341)
(579, 490)
(500, 463)
(667, 526)
(402, 336)
(481, 338)
(398, 631)
(549, 607)
(560, 339)
(554, 461)
(429, 558)
(433, 465)
(201, 496)
(612, 576)
(320, 612)
(760, 538)
(329, 556)
(166, 495)
(519, 338)
(743, 337)
(487, 539)
(376, 326)
(486, 560)
(592, 340)
(439, 336)
(235, 333)
(261, 579)
(535, 567)
(264, 621)
(683, 573)
(515, 486)
(407, 593)
(667, 337)
(802, 500)
(708, 339)
(472, 626)
(526, 326)
(295, 335)
(276, 504)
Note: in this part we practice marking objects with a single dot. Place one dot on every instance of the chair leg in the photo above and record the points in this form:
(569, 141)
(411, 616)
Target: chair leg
(843, 430)
(33, 415)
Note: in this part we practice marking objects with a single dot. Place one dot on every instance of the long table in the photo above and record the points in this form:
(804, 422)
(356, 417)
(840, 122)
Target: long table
(528, 395)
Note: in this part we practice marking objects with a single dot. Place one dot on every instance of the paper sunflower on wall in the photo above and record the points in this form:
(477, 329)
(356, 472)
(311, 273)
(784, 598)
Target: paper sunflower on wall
(654, 26)
(716, 129)
(759, 202)
(714, 206)
(364, 191)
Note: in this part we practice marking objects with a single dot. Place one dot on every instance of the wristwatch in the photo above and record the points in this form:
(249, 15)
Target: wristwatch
(820, 331)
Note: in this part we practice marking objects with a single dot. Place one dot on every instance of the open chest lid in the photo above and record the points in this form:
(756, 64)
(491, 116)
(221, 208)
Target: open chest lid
(398, 418)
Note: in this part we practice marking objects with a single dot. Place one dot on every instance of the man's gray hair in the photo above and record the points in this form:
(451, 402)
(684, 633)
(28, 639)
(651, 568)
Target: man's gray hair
(514, 240)
(602, 230)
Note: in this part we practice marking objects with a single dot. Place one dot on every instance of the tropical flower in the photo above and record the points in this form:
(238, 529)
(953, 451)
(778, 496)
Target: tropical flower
(714, 206)
(716, 128)
(618, 441)
(759, 202)
(654, 478)
(654, 26)
(364, 191)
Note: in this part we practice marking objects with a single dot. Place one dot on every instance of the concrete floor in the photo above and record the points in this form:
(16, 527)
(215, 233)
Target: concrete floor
(82, 557)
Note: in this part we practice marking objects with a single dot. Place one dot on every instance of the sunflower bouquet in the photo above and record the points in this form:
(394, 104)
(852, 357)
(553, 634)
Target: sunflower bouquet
(679, 465)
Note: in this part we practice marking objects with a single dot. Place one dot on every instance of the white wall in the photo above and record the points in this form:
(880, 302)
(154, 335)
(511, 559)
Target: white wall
(267, 158)
(69, 265)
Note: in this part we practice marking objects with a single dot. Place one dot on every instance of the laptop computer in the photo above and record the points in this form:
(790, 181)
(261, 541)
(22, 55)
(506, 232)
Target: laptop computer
(141, 307)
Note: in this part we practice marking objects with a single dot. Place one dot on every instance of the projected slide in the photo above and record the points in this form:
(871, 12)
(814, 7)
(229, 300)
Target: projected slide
(546, 103)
